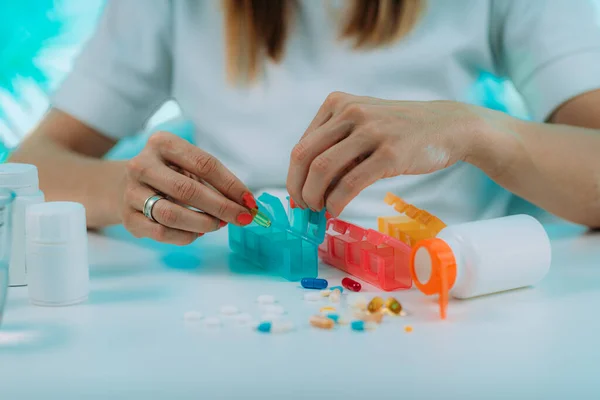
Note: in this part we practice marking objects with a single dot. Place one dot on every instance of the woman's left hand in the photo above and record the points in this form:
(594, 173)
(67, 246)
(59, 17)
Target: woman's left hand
(354, 141)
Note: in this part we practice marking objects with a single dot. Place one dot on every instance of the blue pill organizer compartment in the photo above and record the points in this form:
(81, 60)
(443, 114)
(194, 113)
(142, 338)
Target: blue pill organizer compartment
(289, 246)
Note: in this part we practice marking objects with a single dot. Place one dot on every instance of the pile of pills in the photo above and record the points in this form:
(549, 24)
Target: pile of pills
(366, 314)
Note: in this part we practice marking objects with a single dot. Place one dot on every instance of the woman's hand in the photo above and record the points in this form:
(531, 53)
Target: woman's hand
(187, 176)
(354, 141)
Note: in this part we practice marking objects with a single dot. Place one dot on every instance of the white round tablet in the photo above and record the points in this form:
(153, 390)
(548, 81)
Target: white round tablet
(229, 310)
(266, 299)
(193, 316)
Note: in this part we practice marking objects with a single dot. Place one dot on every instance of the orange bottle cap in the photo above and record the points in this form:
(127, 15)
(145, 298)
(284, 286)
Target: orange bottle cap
(433, 269)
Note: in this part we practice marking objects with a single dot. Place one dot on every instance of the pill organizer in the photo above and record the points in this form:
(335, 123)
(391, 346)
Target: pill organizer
(367, 254)
(289, 246)
(415, 224)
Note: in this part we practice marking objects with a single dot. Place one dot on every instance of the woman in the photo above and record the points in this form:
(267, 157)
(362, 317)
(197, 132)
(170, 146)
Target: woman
(384, 87)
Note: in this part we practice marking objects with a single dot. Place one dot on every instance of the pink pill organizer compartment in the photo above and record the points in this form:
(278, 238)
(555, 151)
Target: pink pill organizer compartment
(367, 254)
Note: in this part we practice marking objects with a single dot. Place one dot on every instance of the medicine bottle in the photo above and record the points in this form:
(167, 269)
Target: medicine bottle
(57, 254)
(482, 257)
(22, 179)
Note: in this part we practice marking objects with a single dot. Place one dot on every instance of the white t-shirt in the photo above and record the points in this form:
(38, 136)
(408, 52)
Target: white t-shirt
(148, 51)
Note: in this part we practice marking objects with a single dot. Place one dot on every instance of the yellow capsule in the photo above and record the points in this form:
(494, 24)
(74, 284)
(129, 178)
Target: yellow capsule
(327, 309)
(321, 322)
(260, 218)
(375, 305)
(393, 306)
(408, 329)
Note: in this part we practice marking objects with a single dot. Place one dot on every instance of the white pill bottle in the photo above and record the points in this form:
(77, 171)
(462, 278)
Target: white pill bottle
(482, 257)
(22, 179)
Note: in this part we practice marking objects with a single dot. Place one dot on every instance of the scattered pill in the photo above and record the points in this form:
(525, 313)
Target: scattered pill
(408, 329)
(275, 327)
(334, 317)
(327, 309)
(212, 322)
(265, 299)
(193, 316)
(264, 327)
(393, 306)
(274, 309)
(321, 322)
(375, 304)
(358, 325)
(312, 296)
(229, 310)
(362, 326)
(351, 284)
(325, 293)
(341, 289)
(313, 283)
(282, 327)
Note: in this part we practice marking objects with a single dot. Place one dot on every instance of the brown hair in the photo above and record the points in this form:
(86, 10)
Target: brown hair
(256, 30)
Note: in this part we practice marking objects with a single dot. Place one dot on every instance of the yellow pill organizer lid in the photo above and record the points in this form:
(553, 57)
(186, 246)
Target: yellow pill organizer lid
(415, 225)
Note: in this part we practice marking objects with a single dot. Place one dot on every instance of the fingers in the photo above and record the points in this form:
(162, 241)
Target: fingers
(191, 192)
(352, 183)
(200, 163)
(305, 152)
(329, 107)
(331, 165)
(173, 215)
(140, 226)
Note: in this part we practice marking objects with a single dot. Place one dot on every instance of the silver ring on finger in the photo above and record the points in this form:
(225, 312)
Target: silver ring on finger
(149, 205)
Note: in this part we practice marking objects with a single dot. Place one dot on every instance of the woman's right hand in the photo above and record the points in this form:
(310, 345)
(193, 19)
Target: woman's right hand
(180, 171)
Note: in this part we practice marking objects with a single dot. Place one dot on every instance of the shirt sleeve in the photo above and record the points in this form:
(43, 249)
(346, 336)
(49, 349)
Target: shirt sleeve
(550, 49)
(123, 73)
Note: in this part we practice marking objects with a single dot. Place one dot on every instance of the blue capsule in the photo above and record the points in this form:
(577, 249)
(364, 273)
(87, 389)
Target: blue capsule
(314, 283)
(264, 327)
(341, 289)
(358, 325)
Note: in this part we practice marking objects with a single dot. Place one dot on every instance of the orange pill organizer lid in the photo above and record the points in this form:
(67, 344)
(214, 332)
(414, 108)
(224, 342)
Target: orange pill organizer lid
(436, 257)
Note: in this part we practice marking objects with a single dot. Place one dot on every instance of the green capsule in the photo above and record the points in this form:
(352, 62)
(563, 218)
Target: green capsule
(260, 218)
(393, 306)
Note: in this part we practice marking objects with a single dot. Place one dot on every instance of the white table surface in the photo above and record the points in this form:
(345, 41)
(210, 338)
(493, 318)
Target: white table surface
(129, 341)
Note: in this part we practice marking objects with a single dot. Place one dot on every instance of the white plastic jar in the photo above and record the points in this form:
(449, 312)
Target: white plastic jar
(22, 179)
(57, 254)
(482, 257)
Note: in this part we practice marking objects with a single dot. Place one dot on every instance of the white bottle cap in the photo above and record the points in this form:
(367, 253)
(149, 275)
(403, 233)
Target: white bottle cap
(55, 222)
(57, 257)
(18, 176)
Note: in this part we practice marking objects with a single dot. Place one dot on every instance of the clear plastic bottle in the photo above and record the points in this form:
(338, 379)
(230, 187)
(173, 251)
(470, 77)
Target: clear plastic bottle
(481, 257)
(22, 179)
